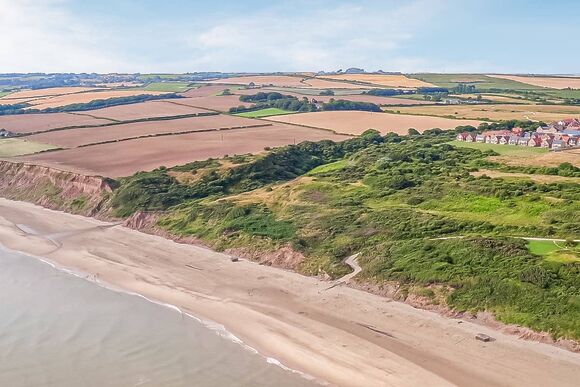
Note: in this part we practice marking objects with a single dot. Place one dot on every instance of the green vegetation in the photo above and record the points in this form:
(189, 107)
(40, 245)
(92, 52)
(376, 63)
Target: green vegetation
(393, 199)
(10, 147)
(267, 112)
(4, 93)
(172, 87)
(542, 247)
(500, 149)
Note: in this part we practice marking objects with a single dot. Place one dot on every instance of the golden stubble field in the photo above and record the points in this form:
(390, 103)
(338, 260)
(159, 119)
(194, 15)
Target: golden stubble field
(545, 113)
(357, 122)
(549, 82)
(386, 80)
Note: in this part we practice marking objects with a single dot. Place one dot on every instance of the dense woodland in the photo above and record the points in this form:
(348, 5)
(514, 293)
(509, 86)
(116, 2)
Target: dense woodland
(389, 198)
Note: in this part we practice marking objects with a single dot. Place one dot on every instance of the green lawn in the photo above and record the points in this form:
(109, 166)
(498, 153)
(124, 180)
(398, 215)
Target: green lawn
(10, 147)
(268, 112)
(175, 87)
(553, 252)
(337, 165)
(501, 149)
(542, 247)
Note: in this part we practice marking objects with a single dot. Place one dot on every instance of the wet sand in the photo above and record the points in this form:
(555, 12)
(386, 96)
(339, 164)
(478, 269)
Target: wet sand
(342, 335)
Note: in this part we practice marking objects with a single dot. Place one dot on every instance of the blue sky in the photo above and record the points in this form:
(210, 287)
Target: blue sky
(301, 35)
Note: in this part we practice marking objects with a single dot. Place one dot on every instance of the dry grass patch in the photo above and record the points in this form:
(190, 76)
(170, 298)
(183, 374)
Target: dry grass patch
(550, 159)
(550, 82)
(544, 179)
(357, 122)
(10, 147)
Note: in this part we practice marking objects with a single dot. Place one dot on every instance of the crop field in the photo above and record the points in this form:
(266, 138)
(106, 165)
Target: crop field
(480, 81)
(127, 157)
(85, 97)
(26, 95)
(172, 87)
(204, 91)
(386, 80)
(541, 81)
(77, 137)
(288, 81)
(221, 103)
(149, 109)
(545, 113)
(28, 123)
(357, 122)
(268, 112)
(10, 147)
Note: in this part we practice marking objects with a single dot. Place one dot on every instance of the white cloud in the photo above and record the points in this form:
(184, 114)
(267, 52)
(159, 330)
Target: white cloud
(43, 36)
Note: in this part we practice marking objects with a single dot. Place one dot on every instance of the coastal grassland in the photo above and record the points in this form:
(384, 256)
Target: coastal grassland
(268, 112)
(393, 199)
(556, 251)
(493, 112)
(171, 87)
(501, 149)
(10, 147)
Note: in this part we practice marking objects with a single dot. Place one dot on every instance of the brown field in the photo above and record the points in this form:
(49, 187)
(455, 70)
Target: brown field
(546, 113)
(33, 94)
(551, 82)
(356, 122)
(287, 81)
(69, 99)
(221, 103)
(149, 109)
(550, 159)
(352, 97)
(386, 80)
(76, 137)
(127, 157)
(495, 98)
(537, 178)
(204, 91)
(27, 123)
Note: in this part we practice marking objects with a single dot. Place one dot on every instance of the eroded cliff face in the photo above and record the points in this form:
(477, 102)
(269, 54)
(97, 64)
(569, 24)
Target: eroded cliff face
(55, 189)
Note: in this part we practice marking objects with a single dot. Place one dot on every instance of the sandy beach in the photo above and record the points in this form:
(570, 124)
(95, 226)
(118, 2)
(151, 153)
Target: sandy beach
(341, 336)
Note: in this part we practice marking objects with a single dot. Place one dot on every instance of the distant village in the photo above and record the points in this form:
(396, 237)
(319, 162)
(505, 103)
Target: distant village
(558, 135)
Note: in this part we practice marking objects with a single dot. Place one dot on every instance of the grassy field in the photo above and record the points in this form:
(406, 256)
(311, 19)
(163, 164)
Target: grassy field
(4, 93)
(557, 252)
(268, 112)
(501, 149)
(494, 112)
(481, 82)
(10, 147)
(175, 87)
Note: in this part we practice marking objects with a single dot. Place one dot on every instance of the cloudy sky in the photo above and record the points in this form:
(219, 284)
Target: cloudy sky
(514, 36)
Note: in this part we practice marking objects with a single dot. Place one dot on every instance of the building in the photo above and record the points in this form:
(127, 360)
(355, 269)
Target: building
(558, 144)
(546, 142)
(513, 140)
(466, 136)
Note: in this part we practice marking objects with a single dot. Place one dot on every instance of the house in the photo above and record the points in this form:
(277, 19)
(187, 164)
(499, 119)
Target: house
(571, 132)
(517, 131)
(547, 142)
(523, 141)
(574, 141)
(466, 136)
(480, 138)
(535, 141)
(513, 140)
(504, 140)
(558, 144)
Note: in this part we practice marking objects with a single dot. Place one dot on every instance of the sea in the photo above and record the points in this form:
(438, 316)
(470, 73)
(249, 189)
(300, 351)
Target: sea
(60, 329)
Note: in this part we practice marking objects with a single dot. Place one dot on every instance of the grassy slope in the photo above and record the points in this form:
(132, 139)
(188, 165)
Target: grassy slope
(390, 202)
(501, 149)
(10, 147)
(268, 112)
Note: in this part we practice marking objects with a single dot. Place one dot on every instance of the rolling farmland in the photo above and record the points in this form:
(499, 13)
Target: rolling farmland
(543, 81)
(127, 157)
(356, 122)
(28, 123)
(386, 80)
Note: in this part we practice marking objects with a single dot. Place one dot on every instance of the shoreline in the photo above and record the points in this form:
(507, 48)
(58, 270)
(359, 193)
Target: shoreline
(212, 326)
(287, 316)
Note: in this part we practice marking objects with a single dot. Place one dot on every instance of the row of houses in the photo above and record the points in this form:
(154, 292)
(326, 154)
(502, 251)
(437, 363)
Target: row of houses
(557, 135)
